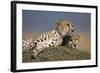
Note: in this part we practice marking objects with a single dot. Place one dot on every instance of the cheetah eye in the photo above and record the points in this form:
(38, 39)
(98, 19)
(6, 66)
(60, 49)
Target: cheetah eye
(67, 24)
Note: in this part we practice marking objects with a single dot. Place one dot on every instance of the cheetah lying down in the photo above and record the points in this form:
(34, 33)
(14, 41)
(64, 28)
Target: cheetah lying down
(53, 38)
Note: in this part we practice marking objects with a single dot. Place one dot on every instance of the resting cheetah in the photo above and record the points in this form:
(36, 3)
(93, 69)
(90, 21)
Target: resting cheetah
(51, 38)
(71, 40)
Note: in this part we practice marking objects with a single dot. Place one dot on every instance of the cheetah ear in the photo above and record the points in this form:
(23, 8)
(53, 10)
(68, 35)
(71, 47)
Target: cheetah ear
(58, 22)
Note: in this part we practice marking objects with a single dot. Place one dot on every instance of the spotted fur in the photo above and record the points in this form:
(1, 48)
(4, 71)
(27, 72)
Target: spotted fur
(51, 38)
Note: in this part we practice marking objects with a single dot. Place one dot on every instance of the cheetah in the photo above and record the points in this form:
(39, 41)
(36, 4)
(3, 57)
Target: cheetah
(71, 41)
(51, 38)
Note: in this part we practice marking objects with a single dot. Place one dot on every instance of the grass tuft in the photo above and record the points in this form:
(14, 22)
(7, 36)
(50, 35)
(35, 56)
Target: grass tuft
(56, 54)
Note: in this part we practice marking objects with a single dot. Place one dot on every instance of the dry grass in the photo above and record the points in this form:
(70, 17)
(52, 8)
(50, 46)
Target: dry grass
(60, 53)
(85, 42)
(57, 54)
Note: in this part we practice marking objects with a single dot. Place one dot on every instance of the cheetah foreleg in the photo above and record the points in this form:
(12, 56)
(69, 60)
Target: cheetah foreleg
(36, 52)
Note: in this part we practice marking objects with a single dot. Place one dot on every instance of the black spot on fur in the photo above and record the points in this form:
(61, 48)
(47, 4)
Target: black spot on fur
(56, 40)
(45, 39)
(41, 40)
(52, 39)
(37, 40)
(49, 45)
(35, 43)
(30, 45)
(67, 24)
(53, 46)
(51, 42)
(42, 35)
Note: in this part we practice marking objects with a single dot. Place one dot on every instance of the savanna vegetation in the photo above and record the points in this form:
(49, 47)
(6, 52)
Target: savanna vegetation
(56, 54)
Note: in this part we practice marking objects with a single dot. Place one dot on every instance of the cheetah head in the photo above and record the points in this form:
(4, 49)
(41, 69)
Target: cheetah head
(73, 41)
(64, 27)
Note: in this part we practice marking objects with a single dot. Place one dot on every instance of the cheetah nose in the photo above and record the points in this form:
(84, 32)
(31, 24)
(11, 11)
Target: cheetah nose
(72, 30)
